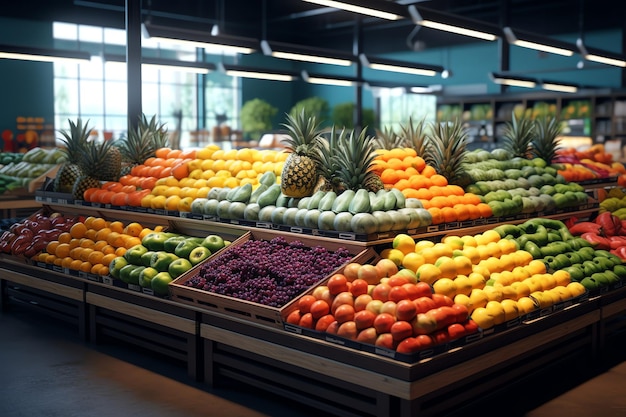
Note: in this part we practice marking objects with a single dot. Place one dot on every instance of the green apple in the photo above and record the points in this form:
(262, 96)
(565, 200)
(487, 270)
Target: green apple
(116, 265)
(184, 248)
(160, 283)
(145, 278)
(199, 254)
(155, 241)
(146, 257)
(161, 260)
(179, 267)
(170, 244)
(133, 254)
(126, 271)
(135, 274)
(213, 243)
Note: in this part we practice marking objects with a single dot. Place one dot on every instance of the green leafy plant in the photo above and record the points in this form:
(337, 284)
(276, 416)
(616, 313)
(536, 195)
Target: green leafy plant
(313, 106)
(343, 116)
(256, 118)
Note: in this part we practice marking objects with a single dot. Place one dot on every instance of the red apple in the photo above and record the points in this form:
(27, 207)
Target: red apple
(368, 336)
(400, 330)
(424, 324)
(409, 345)
(364, 319)
(347, 330)
(385, 340)
(324, 322)
(383, 322)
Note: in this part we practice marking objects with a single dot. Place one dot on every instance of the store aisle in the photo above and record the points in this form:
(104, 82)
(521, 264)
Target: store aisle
(46, 370)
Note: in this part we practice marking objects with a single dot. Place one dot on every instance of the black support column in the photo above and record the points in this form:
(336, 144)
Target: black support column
(133, 60)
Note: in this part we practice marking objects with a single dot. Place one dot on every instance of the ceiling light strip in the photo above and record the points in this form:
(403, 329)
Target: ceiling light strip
(360, 8)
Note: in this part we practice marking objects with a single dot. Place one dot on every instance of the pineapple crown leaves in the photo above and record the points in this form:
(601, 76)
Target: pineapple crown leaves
(75, 139)
(142, 142)
(304, 134)
(326, 165)
(545, 143)
(414, 135)
(387, 139)
(95, 154)
(518, 135)
(446, 149)
(354, 157)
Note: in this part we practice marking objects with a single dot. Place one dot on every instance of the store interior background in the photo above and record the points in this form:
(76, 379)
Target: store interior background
(28, 87)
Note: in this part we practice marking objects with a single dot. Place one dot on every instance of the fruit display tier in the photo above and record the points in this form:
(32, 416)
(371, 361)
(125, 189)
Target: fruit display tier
(319, 373)
(188, 221)
(322, 373)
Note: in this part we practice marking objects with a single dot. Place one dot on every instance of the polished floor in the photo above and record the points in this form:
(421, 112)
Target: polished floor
(47, 371)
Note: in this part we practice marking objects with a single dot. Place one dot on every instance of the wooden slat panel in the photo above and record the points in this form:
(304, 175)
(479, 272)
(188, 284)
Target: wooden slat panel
(40, 284)
(143, 313)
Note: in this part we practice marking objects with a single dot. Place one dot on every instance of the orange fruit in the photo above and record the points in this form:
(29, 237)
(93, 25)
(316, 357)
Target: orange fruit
(98, 223)
(95, 257)
(85, 253)
(51, 247)
(107, 258)
(66, 262)
(62, 250)
(108, 249)
(85, 267)
(103, 234)
(87, 243)
(75, 264)
(133, 229)
(64, 237)
(120, 251)
(117, 226)
(78, 230)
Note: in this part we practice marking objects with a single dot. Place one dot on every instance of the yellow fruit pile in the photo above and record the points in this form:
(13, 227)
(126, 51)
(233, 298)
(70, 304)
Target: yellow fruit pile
(90, 246)
(495, 280)
(213, 167)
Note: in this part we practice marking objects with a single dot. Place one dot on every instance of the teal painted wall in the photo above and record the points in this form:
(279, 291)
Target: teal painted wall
(27, 87)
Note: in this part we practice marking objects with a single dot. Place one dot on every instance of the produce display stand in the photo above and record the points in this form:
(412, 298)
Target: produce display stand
(54, 294)
(344, 382)
(321, 373)
(149, 322)
(17, 206)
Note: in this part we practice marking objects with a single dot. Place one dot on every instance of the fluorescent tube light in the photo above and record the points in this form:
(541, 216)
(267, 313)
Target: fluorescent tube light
(513, 80)
(382, 9)
(261, 74)
(195, 39)
(556, 86)
(403, 67)
(330, 80)
(306, 54)
(602, 57)
(24, 53)
(540, 44)
(452, 23)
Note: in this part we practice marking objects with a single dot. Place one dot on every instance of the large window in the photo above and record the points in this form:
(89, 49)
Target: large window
(397, 107)
(97, 91)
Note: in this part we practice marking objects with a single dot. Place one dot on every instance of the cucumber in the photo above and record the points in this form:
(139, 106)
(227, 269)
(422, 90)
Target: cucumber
(342, 202)
(256, 193)
(327, 201)
(400, 198)
(389, 201)
(360, 202)
(314, 202)
(268, 178)
(221, 195)
(304, 202)
(282, 200)
(269, 196)
(240, 194)
(377, 202)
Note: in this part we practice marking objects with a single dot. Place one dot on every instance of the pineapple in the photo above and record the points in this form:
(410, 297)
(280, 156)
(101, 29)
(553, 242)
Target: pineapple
(545, 143)
(354, 157)
(299, 176)
(326, 165)
(518, 135)
(74, 141)
(388, 139)
(113, 165)
(445, 151)
(141, 143)
(414, 136)
(91, 164)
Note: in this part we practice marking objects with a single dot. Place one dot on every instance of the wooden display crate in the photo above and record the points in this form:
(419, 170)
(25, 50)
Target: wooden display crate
(252, 311)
